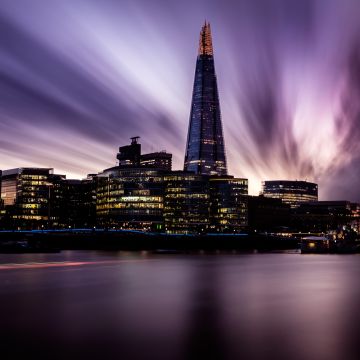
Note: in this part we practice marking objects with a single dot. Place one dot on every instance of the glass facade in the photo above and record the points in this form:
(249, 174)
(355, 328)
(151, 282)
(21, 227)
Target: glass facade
(186, 203)
(72, 202)
(291, 192)
(228, 204)
(130, 199)
(205, 150)
(159, 160)
(25, 193)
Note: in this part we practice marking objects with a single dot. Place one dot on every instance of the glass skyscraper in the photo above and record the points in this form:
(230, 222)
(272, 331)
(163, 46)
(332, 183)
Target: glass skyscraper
(205, 150)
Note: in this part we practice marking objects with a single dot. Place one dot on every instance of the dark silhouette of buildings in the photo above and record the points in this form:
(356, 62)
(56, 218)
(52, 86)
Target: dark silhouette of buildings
(325, 215)
(130, 156)
(205, 150)
(267, 214)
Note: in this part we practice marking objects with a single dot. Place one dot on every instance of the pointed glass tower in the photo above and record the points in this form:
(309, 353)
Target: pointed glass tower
(205, 150)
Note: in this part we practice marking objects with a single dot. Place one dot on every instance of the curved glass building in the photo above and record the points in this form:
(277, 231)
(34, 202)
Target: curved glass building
(291, 192)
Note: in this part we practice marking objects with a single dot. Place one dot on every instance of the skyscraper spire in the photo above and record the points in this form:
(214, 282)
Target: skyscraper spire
(205, 42)
(205, 150)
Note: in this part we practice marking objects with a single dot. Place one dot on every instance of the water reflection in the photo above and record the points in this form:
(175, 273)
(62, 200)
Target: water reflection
(204, 330)
(135, 306)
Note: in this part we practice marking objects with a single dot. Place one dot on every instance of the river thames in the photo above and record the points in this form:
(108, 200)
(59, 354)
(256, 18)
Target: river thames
(117, 305)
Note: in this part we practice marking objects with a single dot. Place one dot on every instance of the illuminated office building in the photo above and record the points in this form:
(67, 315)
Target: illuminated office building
(228, 204)
(205, 149)
(36, 198)
(186, 203)
(130, 195)
(290, 192)
(25, 193)
(158, 160)
(130, 198)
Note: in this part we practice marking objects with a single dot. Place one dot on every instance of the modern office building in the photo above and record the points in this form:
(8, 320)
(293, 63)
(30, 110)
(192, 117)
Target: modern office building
(205, 149)
(36, 198)
(290, 192)
(186, 203)
(158, 160)
(130, 198)
(130, 195)
(130, 156)
(25, 193)
(73, 203)
(146, 195)
(325, 215)
(228, 204)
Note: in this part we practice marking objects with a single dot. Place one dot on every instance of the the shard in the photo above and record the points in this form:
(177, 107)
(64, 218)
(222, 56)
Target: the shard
(205, 150)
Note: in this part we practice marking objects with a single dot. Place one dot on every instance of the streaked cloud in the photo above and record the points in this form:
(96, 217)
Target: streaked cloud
(78, 78)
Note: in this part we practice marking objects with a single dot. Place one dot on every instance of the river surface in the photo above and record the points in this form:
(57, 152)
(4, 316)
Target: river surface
(117, 305)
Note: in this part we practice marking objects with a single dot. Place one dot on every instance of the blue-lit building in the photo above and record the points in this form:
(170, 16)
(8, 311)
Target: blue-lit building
(205, 150)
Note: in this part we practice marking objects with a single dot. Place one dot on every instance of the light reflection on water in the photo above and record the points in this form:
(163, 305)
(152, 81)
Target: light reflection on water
(253, 306)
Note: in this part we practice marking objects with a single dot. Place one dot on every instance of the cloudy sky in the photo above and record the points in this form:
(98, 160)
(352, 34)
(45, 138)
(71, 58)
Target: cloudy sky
(79, 77)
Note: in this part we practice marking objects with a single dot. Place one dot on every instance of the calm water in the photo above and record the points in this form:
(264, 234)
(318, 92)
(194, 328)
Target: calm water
(141, 306)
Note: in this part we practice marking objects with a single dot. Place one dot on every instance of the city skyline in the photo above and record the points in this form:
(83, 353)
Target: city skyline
(102, 73)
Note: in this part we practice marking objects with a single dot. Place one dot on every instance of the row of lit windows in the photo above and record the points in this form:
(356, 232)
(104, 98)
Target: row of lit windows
(136, 206)
(30, 217)
(187, 196)
(30, 206)
(35, 177)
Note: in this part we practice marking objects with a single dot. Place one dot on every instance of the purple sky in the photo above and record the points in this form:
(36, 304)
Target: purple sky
(79, 77)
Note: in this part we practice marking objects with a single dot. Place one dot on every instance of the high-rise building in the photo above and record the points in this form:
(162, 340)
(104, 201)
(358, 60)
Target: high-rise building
(205, 149)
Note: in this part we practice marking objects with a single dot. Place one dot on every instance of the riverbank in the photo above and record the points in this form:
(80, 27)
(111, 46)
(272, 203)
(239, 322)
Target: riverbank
(136, 240)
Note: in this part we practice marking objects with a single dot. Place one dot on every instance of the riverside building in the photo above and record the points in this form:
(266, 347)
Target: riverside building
(290, 192)
(25, 193)
(136, 197)
(205, 149)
